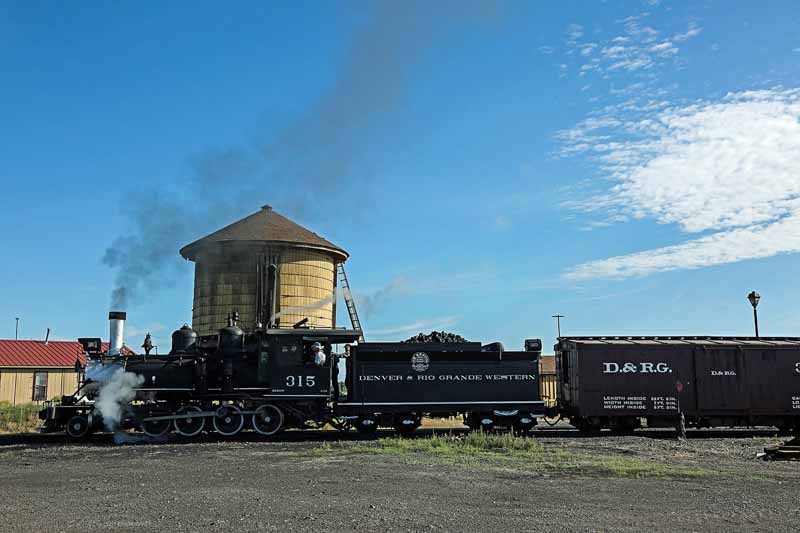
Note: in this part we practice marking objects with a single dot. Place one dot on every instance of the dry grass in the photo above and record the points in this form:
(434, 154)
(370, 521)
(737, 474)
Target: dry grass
(19, 418)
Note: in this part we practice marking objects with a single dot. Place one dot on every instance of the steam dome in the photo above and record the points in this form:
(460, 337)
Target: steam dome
(268, 268)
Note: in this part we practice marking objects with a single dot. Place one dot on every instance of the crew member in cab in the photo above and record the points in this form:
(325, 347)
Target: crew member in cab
(315, 356)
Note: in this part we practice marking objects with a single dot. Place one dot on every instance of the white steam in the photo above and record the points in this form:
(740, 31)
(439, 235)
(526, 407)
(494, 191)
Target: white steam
(117, 390)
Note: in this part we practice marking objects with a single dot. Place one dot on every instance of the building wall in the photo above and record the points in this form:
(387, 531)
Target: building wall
(226, 280)
(16, 384)
(548, 380)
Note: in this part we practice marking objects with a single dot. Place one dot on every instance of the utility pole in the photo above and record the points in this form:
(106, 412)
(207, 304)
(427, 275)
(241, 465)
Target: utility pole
(16, 333)
(558, 323)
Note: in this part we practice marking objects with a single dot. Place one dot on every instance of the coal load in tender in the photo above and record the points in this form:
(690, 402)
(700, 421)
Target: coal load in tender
(436, 336)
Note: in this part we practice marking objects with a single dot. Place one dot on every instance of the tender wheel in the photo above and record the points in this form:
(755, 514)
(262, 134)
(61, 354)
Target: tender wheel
(228, 420)
(268, 419)
(366, 425)
(191, 425)
(524, 424)
(78, 427)
(156, 428)
(407, 425)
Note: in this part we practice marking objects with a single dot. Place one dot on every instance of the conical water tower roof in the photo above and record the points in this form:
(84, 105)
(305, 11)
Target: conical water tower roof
(265, 226)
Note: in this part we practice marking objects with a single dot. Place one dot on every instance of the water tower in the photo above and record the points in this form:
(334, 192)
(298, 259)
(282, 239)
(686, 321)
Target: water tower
(271, 270)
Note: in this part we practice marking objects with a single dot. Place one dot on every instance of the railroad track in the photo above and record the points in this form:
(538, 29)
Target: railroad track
(317, 435)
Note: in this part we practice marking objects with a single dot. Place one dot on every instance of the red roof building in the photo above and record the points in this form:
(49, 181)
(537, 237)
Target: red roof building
(35, 371)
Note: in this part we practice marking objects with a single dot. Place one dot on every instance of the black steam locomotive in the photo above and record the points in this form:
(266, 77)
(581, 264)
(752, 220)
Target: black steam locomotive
(271, 379)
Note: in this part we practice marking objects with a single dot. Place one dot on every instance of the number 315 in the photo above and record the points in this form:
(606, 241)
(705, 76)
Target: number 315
(300, 381)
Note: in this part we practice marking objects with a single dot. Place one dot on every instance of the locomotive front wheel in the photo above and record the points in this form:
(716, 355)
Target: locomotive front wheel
(191, 425)
(268, 419)
(78, 427)
(228, 420)
(156, 428)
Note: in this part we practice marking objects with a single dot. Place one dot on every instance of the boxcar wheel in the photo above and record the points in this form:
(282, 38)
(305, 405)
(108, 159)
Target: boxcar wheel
(191, 425)
(268, 419)
(78, 427)
(228, 420)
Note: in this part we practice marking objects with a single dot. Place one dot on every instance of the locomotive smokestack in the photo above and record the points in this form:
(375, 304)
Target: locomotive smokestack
(116, 331)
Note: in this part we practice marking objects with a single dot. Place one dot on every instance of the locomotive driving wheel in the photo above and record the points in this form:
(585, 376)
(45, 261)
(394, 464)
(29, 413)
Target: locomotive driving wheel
(268, 419)
(228, 420)
(190, 424)
(156, 428)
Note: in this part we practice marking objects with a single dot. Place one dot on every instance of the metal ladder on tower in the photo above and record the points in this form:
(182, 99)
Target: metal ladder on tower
(348, 301)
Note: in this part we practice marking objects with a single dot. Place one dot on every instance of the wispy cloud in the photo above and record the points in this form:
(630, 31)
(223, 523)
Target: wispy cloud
(419, 326)
(636, 48)
(728, 168)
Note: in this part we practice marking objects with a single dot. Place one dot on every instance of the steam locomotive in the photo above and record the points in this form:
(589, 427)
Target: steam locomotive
(271, 379)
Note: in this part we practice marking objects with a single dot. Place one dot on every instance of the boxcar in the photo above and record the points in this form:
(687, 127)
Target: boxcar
(395, 384)
(616, 382)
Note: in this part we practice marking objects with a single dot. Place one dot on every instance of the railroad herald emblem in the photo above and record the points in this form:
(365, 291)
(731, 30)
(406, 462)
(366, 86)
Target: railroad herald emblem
(420, 361)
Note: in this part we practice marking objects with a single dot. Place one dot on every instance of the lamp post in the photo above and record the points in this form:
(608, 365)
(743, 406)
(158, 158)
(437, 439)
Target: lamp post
(754, 298)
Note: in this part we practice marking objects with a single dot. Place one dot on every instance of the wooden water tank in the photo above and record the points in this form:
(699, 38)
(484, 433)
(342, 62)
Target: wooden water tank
(269, 269)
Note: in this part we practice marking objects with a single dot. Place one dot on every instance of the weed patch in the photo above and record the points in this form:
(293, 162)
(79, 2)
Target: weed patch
(507, 451)
(19, 418)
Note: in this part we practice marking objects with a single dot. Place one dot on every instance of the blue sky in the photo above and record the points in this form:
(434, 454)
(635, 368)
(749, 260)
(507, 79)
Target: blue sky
(631, 165)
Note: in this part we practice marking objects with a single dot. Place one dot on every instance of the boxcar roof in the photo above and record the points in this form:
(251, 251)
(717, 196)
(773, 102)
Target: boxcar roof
(689, 340)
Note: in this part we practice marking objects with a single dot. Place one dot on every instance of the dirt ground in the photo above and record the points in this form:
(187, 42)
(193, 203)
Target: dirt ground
(319, 481)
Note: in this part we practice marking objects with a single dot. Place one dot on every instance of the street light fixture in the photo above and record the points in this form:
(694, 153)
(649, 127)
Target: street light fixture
(754, 298)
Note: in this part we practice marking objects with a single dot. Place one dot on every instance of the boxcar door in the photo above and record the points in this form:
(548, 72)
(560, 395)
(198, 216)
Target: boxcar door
(721, 377)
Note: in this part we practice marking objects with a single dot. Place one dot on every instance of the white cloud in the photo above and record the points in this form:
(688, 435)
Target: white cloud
(546, 50)
(730, 167)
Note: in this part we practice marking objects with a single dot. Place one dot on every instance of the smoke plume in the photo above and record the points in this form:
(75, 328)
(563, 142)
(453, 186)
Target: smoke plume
(302, 309)
(304, 167)
(371, 303)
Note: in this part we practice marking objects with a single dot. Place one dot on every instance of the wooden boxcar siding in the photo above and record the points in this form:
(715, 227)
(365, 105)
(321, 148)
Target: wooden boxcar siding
(16, 384)
(227, 281)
